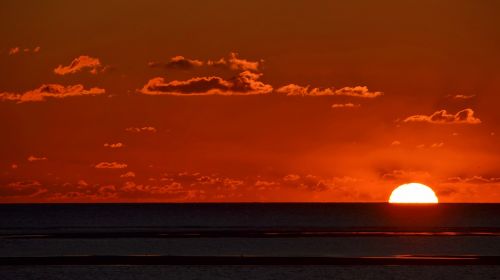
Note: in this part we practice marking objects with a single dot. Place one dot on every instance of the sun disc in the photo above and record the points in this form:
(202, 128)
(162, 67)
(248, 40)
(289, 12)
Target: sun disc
(413, 193)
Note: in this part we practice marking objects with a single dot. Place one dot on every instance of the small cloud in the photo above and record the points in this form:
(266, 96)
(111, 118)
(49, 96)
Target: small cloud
(14, 50)
(178, 62)
(110, 165)
(114, 145)
(246, 83)
(237, 64)
(346, 105)
(405, 175)
(22, 189)
(291, 177)
(35, 158)
(129, 174)
(83, 62)
(14, 166)
(421, 146)
(17, 50)
(141, 129)
(437, 145)
(50, 91)
(82, 184)
(395, 143)
(477, 179)
(463, 97)
(465, 116)
(357, 91)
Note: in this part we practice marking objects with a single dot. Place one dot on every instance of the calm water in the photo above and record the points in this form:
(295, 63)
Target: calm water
(303, 231)
(357, 229)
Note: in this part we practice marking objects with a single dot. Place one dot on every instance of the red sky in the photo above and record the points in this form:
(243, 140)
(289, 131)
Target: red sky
(139, 101)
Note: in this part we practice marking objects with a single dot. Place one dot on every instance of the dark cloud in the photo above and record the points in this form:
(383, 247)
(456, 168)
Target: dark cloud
(236, 63)
(178, 62)
(246, 83)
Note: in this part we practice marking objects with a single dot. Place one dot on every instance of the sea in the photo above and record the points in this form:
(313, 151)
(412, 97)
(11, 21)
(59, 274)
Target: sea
(250, 241)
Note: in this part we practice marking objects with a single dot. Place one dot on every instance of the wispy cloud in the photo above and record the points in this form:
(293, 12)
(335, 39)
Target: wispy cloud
(110, 165)
(141, 129)
(35, 158)
(357, 91)
(345, 105)
(463, 96)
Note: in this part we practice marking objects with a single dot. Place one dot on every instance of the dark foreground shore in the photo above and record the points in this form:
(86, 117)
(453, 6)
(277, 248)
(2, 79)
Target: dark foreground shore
(249, 260)
(289, 272)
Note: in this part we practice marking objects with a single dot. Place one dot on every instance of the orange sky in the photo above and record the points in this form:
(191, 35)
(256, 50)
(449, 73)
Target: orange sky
(143, 101)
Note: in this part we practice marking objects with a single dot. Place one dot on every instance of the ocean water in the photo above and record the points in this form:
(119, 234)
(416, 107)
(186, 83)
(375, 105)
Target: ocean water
(80, 240)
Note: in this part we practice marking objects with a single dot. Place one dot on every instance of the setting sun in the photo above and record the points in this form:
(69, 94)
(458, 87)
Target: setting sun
(413, 193)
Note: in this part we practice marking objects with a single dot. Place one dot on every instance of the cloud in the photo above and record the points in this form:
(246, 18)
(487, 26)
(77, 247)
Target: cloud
(235, 63)
(129, 174)
(477, 179)
(346, 105)
(34, 158)
(357, 91)
(463, 97)
(141, 129)
(22, 189)
(395, 143)
(465, 116)
(114, 145)
(437, 145)
(110, 165)
(178, 62)
(83, 62)
(14, 50)
(17, 50)
(50, 91)
(291, 177)
(405, 175)
(246, 83)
